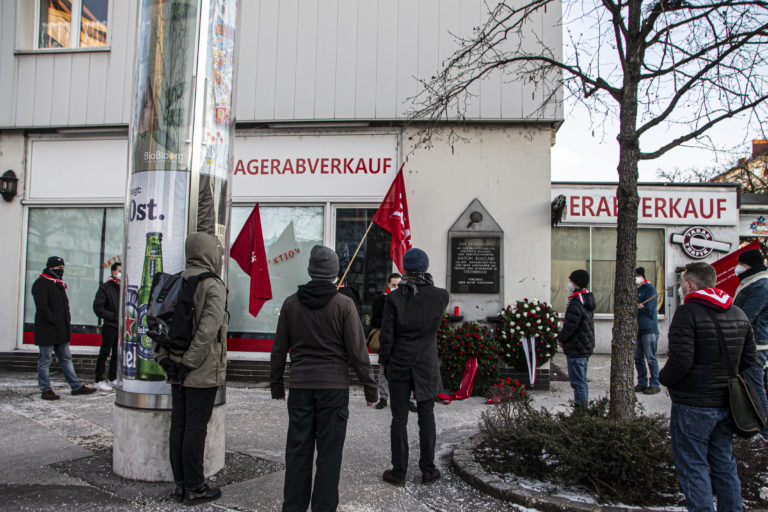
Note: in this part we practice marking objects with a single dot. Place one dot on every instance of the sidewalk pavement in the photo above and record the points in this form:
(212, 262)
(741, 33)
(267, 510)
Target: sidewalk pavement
(56, 455)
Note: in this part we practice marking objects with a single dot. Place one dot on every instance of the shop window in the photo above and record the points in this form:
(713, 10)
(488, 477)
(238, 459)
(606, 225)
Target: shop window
(89, 240)
(72, 23)
(289, 234)
(594, 249)
(373, 263)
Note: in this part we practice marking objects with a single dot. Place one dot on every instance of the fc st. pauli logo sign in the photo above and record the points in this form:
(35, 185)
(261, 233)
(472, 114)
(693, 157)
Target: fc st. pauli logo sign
(698, 242)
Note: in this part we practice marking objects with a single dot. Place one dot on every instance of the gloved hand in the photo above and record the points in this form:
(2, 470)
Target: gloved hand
(182, 371)
(170, 368)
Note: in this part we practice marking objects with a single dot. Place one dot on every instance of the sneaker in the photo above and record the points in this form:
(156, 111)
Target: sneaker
(390, 478)
(103, 386)
(113, 383)
(430, 478)
(178, 493)
(652, 390)
(49, 395)
(412, 406)
(83, 390)
(382, 404)
(201, 495)
(640, 388)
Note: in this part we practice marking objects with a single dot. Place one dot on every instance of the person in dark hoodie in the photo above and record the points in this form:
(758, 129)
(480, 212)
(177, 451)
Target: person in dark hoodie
(697, 379)
(197, 374)
(412, 316)
(577, 337)
(752, 298)
(321, 329)
(647, 336)
(53, 329)
(106, 305)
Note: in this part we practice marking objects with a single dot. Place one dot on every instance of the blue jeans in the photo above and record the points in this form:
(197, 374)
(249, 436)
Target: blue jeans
(383, 385)
(645, 351)
(756, 376)
(702, 447)
(65, 360)
(577, 374)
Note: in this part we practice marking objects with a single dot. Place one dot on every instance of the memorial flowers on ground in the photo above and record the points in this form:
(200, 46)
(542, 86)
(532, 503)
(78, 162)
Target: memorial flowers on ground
(528, 334)
(457, 345)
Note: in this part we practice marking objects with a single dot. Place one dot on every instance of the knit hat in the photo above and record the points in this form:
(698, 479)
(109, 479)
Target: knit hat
(752, 257)
(415, 260)
(323, 263)
(580, 278)
(54, 261)
(640, 271)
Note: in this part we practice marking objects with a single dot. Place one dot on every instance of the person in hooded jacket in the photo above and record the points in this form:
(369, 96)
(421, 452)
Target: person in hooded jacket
(577, 337)
(752, 298)
(647, 335)
(197, 373)
(412, 316)
(322, 330)
(696, 376)
(106, 305)
(53, 328)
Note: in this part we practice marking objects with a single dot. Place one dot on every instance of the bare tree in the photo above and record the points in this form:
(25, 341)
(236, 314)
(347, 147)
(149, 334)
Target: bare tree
(675, 67)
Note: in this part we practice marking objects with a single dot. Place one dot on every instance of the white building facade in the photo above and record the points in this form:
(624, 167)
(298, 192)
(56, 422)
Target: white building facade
(321, 99)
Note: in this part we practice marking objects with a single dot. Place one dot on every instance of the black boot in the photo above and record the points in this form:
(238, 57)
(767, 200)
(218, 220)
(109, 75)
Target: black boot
(178, 493)
(201, 495)
(382, 403)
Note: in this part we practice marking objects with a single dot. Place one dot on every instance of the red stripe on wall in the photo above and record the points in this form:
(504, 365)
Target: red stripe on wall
(78, 339)
(249, 345)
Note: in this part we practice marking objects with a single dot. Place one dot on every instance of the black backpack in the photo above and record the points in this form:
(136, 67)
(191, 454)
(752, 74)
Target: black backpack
(171, 309)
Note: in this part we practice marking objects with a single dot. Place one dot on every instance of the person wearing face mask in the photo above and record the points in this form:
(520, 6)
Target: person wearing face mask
(752, 298)
(577, 337)
(647, 336)
(52, 329)
(106, 305)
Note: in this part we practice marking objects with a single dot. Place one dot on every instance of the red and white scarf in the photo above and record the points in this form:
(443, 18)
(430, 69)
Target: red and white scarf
(578, 294)
(714, 296)
(54, 279)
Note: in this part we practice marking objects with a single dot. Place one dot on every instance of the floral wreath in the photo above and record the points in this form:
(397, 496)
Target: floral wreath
(521, 322)
(455, 345)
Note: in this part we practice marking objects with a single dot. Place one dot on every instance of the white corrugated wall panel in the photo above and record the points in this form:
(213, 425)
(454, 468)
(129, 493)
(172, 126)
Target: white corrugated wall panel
(62, 73)
(245, 58)
(386, 60)
(119, 81)
(325, 71)
(266, 60)
(97, 91)
(78, 89)
(7, 63)
(25, 90)
(470, 16)
(346, 58)
(306, 60)
(365, 72)
(450, 25)
(285, 72)
(43, 89)
(407, 51)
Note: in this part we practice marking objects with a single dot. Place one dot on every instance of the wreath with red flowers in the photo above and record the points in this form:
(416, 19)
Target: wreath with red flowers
(525, 319)
(455, 345)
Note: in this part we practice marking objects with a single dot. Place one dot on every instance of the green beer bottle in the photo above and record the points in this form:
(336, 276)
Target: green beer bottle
(146, 366)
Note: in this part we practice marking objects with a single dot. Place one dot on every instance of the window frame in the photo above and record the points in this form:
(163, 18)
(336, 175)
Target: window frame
(75, 27)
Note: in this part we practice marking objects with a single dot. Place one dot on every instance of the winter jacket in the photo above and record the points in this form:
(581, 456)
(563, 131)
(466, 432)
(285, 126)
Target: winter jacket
(52, 320)
(377, 310)
(106, 305)
(752, 298)
(409, 337)
(207, 353)
(578, 333)
(695, 372)
(322, 330)
(647, 316)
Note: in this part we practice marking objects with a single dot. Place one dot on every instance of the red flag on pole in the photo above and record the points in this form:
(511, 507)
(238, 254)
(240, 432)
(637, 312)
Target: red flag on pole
(392, 215)
(726, 279)
(248, 252)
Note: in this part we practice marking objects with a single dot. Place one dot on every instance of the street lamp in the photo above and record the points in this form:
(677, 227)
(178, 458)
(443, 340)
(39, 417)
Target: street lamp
(8, 185)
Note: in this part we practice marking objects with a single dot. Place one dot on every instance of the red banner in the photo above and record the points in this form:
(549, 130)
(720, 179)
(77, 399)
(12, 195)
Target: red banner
(726, 279)
(248, 251)
(392, 215)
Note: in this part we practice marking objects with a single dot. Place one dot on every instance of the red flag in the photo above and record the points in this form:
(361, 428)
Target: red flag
(248, 252)
(726, 279)
(392, 215)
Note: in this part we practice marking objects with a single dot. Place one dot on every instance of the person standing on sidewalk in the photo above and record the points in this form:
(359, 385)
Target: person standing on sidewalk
(647, 335)
(752, 298)
(377, 312)
(106, 305)
(696, 376)
(53, 328)
(577, 337)
(322, 330)
(412, 316)
(197, 373)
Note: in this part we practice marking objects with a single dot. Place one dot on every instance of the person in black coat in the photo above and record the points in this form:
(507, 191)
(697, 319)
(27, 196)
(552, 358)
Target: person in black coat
(577, 337)
(696, 376)
(52, 329)
(377, 313)
(412, 316)
(106, 305)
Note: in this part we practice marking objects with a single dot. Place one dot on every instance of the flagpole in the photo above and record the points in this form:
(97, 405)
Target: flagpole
(338, 285)
(665, 289)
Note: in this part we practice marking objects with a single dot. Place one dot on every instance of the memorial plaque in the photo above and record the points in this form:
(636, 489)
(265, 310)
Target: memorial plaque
(475, 264)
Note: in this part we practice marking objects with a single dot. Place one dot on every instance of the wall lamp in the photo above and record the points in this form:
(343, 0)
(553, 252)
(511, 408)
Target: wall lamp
(8, 185)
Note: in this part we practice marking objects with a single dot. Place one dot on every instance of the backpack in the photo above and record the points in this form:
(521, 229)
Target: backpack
(171, 309)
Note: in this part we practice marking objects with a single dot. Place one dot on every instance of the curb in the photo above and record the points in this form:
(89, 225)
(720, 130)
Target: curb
(464, 463)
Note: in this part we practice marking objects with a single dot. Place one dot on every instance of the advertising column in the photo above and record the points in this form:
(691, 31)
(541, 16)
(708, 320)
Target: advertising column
(178, 164)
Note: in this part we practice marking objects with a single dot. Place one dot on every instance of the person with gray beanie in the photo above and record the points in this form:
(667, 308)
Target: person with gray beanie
(321, 329)
(411, 318)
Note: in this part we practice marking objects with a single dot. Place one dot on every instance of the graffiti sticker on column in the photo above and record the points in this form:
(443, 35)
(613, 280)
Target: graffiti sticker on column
(698, 242)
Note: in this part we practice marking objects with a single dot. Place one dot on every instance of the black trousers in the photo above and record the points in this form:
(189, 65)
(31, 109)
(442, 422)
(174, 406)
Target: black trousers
(317, 418)
(399, 394)
(191, 410)
(108, 348)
